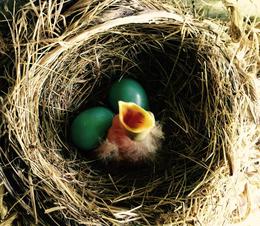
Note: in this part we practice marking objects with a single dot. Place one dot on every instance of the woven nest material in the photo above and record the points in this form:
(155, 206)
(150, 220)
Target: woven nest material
(201, 87)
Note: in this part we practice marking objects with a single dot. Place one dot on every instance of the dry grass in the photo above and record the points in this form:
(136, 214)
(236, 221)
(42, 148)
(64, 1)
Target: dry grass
(217, 8)
(202, 87)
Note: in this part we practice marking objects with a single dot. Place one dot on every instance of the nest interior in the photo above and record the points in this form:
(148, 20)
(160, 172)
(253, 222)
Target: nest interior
(176, 95)
(191, 87)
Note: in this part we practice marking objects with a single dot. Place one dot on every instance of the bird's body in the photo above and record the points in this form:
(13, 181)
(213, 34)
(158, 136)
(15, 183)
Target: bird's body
(132, 137)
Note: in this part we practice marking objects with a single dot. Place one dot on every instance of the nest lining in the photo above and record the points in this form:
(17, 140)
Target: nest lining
(192, 88)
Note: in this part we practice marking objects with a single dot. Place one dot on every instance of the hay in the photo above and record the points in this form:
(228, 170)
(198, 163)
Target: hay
(201, 87)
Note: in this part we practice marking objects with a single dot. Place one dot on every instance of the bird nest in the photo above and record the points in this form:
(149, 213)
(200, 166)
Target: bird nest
(200, 87)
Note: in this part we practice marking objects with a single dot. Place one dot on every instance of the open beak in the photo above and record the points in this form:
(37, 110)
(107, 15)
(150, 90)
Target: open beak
(137, 121)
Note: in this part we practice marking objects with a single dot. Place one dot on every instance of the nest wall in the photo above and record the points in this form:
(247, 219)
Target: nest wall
(200, 88)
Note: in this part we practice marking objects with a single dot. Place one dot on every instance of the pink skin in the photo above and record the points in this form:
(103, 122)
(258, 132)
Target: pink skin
(119, 145)
(118, 135)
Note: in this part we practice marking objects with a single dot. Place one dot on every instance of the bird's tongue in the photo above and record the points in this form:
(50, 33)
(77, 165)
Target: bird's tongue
(133, 118)
(136, 120)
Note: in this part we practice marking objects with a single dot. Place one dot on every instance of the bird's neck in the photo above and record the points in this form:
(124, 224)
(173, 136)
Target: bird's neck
(138, 136)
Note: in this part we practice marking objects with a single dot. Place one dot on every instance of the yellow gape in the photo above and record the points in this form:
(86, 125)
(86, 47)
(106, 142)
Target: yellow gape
(137, 121)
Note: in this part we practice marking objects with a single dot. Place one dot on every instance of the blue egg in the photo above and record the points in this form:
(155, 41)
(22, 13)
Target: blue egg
(127, 90)
(90, 127)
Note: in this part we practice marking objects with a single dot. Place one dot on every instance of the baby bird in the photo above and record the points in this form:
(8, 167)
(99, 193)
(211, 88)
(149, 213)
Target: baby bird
(133, 137)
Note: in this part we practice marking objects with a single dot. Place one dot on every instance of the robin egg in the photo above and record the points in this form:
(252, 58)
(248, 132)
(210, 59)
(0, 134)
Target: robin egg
(90, 126)
(127, 90)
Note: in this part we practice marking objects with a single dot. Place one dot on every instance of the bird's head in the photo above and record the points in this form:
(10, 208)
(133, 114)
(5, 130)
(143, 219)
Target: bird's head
(136, 121)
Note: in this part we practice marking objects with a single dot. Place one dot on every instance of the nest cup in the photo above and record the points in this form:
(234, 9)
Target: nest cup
(68, 65)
